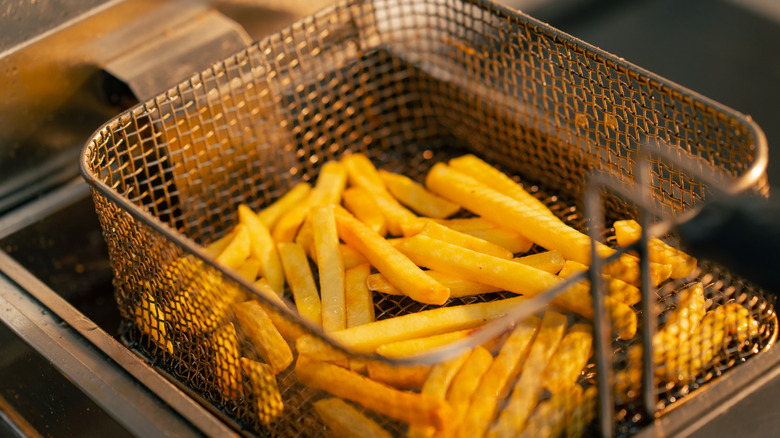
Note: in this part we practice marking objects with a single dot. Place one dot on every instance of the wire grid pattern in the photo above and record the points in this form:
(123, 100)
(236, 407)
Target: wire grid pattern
(408, 83)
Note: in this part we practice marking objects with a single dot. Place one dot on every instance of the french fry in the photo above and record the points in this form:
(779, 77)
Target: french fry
(317, 349)
(263, 248)
(458, 287)
(151, 320)
(629, 231)
(216, 247)
(486, 230)
(299, 276)
(465, 384)
(249, 269)
(262, 384)
(273, 212)
(224, 343)
(509, 275)
(351, 257)
(436, 385)
(548, 261)
(414, 196)
(359, 301)
(396, 267)
(683, 320)
(410, 347)
(617, 289)
(345, 421)
(328, 189)
(367, 338)
(289, 330)
(567, 363)
(362, 204)
(550, 418)
(259, 328)
(398, 376)
(363, 174)
(440, 232)
(512, 418)
(583, 414)
(528, 218)
(504, 369)
(237, 250)
(331, 268)
(408, 407)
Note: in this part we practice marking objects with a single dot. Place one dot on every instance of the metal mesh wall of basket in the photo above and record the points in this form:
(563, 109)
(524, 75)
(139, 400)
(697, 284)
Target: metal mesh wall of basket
(410, 84)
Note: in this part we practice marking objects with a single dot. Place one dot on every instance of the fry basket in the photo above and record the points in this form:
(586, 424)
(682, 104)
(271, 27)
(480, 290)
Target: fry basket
(409, 84)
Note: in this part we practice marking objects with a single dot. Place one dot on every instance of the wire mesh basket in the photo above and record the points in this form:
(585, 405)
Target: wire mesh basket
(408, 84)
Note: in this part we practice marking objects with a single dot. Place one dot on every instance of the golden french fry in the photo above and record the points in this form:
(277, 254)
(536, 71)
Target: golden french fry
(363, 174)
(328, 189)
(409, 407)
(398, 376)
(436, 385)
(483, 229)
(510, 275)
(362, 204)
(289, 329)
(440, 232)
(396, 267)
(458, 287)
(351, 257)
(526, 217)
(299, 276)
(273, 212)
(151, 320)
(345, 421)
(629, 231)
(215, 248)
(465, 384)
(683, 320)
(583, 414)
(305, 238)
(331, 268)
(249, 269)
(504, 369)
(367, 338)
(262, 384)
(617, 289)
(551, 417)
(414, 196)
(512, 418)
(359, 301)
(317, 349)
(263, 248)
(224, 343)
(567, 363)
(548, 261)
(410, 347)
(237, 250)
(259, 328)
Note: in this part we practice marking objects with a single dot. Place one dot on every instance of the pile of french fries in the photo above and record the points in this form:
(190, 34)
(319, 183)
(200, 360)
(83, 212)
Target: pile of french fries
(359, 231)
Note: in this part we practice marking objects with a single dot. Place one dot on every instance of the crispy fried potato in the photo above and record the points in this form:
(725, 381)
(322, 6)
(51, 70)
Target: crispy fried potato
(551, 417)
(331, 268)
(299, 276)
(465, 384)
(617, 289)
(548, 261)
(289, 329)
(151, 320)
(362, 204)
(411, 347)
(504, 369)
(408, 407)
(359, 300)
(486, 230)
(351, 257)
(396, 267)
(345, 421)
(436, 385)
(237, 250)
(263, 248)
(629, 231)
(367, 338)
(250, 269)
(440, 232)
(398, 376)
(512, 418)
(458, 287)
(224, 344)
(567, 363)
(273, 212)
(262, 384)
(265, 337)
(414, 196)
(216, 247)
